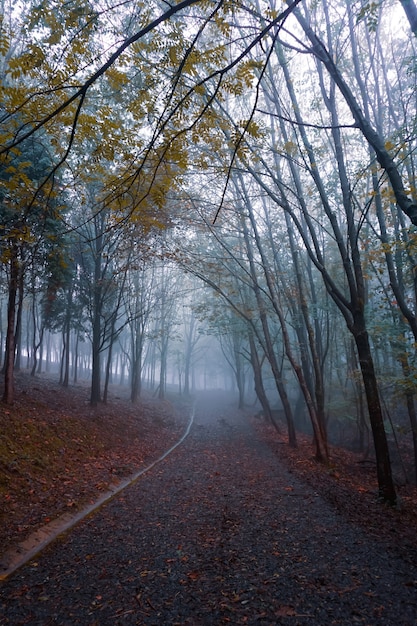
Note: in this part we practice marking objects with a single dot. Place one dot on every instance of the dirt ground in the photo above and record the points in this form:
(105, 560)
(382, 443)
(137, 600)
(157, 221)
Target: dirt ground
(230, 528)
(58, 454)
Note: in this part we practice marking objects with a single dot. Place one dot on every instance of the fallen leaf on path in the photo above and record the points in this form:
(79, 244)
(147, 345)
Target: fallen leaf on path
(286, 611)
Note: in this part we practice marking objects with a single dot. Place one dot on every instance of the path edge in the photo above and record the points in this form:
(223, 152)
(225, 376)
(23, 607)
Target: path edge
(16, 557)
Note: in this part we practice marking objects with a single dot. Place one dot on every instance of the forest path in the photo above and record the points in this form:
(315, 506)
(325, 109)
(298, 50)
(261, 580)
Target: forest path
(217, 533)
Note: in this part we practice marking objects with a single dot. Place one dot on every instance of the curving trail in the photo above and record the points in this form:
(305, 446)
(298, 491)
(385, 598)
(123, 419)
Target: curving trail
(216, 533)
(26, 551)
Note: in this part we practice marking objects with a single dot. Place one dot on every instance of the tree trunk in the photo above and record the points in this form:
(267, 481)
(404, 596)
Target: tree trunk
(383, 464)
(268, 343)
(187, 369)
(136, 375)
(39, 370)
(66, 364)
(95, 394)
(8, 394)
(411, 13)
(412, 415)
(135, 382)
(163, 368)
(320, 438)
(239, 370)
(18, 330)
(36, 347)
(109, 358)
(411, 409)
(306, 337)
(75, 365)
(406, 204)
(259, 385)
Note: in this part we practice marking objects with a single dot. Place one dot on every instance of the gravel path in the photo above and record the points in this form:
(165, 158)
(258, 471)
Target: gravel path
(217, 533)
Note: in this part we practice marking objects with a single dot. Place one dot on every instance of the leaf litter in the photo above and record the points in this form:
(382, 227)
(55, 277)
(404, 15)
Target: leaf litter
(224, 531)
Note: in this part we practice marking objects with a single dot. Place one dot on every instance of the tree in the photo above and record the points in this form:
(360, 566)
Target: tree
(224, 111)
(30, 234)
(352, 305)
(410, 10)
(141, 303)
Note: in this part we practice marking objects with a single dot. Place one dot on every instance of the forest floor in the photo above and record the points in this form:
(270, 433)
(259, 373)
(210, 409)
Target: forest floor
(58, 454)
(234, 485)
